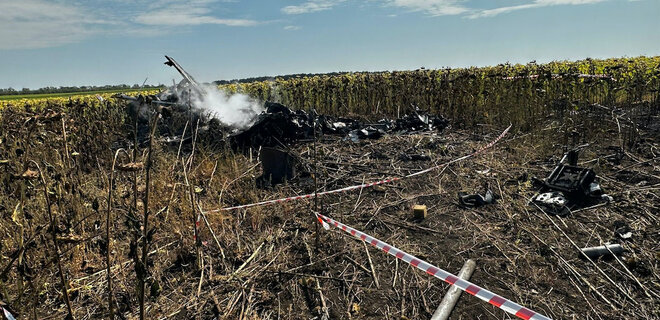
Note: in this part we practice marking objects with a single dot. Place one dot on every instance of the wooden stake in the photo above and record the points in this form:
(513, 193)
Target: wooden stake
(371, 264)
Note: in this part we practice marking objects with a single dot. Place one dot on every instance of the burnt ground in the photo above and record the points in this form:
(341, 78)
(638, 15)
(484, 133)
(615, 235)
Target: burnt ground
(278, 263)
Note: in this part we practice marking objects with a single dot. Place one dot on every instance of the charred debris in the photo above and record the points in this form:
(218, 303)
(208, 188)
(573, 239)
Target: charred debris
(277, 126)
(569, 187)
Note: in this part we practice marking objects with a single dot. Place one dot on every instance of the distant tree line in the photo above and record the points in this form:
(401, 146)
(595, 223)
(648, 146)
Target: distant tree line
(64, 89)
(70, 89)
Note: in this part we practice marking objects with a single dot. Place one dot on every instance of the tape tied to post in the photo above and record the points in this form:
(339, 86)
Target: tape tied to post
(467, 286)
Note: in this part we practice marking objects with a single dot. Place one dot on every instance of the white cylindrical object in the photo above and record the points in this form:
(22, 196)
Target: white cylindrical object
(452, 295)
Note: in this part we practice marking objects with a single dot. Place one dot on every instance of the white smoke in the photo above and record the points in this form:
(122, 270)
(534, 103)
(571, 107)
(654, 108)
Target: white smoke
(236, 110)
(275, 95)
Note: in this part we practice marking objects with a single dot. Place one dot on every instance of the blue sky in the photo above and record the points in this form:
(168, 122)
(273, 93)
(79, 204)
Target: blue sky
(96, 42)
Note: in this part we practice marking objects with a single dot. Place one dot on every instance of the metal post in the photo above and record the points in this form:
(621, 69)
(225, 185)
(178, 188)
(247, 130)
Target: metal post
(452, 295)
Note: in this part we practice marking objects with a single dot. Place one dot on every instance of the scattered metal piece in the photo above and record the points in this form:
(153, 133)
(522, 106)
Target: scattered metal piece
(622, 230)
(368, 132)
(625, 235)
(484, 172)
(172, 63)
(601, 251)
(476, 200)
(6, 312)
(554, 202)
(419, 122)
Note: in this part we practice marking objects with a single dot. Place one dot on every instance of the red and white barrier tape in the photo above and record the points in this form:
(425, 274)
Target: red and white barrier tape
(7, 314)
(479, 292)
(366, 185)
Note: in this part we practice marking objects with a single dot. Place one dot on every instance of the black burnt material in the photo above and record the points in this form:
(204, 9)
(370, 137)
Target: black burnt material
(572, 180)
(278, 166)
(279, 125)
(569, 186)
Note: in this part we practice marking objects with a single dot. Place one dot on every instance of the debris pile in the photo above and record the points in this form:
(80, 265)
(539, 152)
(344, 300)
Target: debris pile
(276, 126)
(279, 125)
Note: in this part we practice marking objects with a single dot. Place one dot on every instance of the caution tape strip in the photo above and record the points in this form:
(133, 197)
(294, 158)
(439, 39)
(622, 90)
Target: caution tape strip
(7, 314)
(481, 293)
(365, 185)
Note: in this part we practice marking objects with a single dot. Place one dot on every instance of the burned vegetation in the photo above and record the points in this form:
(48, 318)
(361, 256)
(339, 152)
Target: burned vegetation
(151, 207)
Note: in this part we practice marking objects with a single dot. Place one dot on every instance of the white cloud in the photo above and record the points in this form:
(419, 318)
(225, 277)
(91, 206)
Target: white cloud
(432, 7)
(558, 2)
(30, 24)
(186, 13)
(435, 7)
(534, 4)
(33, 24)
(311, 6)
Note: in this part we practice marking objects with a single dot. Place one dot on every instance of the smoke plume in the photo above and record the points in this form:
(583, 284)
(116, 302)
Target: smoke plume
(235, 110)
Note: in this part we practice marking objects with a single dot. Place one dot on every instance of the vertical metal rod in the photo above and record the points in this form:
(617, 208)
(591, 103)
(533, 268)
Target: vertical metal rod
(452, 295)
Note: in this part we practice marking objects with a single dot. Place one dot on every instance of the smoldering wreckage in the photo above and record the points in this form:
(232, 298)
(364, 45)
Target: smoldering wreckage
(271, 131)
(273, 128)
